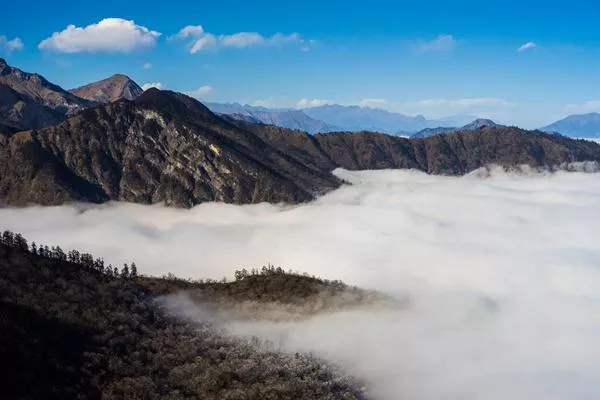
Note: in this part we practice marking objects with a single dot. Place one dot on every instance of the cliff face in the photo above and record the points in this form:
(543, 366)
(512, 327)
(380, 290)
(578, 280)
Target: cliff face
(164, 147)
(167, 147)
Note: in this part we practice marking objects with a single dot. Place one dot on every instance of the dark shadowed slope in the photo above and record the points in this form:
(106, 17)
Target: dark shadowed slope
(163, 147)
(18, 111)
(114, 88)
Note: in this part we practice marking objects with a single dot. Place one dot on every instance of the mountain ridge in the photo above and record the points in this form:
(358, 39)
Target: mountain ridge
(166, 147)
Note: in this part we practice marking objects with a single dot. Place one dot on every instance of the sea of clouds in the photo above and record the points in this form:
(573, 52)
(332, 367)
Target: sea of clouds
(502, 274)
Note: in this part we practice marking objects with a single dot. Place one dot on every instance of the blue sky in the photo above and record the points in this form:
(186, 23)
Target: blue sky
(435, 58)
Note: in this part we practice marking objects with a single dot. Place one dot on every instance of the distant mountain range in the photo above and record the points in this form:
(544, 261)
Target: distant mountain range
(286, 118)
(472, 126)
(336, 118)
(581, 126)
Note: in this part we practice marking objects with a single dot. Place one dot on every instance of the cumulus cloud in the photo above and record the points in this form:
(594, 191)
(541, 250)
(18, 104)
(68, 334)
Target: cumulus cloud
(201, 92)
(441, 44)
(157, 85)
(501, 274)
(199, 39)
(306, 103)
(109, 35)
(147, 65)
(526, 46)
(10, 45)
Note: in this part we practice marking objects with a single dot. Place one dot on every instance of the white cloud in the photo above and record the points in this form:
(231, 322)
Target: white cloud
(190, 31)
(201, 92)
(306, 103)
(147, 65)
(441, 44)
(242, 39)
(501, 274)
(587, 107)
(373, 102)
(108, 35)
(156, 85)
(10, 45)
(202, 40)
(526, 46)
(202, 43)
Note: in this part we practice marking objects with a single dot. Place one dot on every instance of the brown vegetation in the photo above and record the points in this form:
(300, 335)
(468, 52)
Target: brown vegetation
(75, 328)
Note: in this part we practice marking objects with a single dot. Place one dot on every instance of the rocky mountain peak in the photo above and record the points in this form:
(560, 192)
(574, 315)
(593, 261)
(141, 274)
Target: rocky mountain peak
(113, 88)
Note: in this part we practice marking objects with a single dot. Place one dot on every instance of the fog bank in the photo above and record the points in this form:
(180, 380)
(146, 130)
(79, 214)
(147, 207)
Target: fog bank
(502, 273)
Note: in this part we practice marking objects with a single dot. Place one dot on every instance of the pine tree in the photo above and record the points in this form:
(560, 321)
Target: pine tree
(125, 271)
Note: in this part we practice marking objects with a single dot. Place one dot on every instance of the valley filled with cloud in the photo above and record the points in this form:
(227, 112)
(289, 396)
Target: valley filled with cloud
(501, 274)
